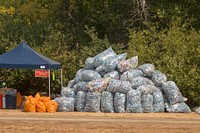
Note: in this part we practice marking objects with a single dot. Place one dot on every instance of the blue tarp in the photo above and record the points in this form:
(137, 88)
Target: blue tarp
(23, 56)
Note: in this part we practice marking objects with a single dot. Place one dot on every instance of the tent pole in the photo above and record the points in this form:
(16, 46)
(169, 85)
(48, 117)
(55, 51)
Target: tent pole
(49, 83)
(61, 78)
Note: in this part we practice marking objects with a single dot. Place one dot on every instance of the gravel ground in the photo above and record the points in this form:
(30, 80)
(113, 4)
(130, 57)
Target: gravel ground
(82, 122)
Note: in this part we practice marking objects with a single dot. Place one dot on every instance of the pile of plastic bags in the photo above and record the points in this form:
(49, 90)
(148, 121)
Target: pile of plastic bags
(112, 83)
(40, 104)
(66, 101)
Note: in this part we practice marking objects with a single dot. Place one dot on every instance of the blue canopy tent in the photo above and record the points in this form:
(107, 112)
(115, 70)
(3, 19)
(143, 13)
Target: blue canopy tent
(23, 56)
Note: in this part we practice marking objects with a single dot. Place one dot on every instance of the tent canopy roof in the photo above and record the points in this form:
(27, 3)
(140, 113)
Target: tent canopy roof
(23, 56)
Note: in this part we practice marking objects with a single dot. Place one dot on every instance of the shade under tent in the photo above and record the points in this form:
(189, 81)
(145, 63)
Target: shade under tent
(23, 56)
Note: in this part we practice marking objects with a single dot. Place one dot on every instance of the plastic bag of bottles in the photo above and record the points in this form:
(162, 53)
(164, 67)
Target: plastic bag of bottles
(113, 74)
(93, 100)
(134, 102)
(65, 104)
(103, 56)
(88, 75)
(147, 89)
(107, 102)
(113, 85)
(158, 78)
(147, 103)
(124, 87)
(81, 86)
(158, 101)
(80, 101)
(67, 92)
(125, 65)
(71, 83)
(147, 69)
(181, 107)
(98, 85)
(129, 75)
(89, 62)
(100, 70)
(112, 63)
(119, 102)
(139, 81)
(172, 92)
(78, 73)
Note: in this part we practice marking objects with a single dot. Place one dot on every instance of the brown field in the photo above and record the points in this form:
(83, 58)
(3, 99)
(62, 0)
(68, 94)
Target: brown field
(17, 121)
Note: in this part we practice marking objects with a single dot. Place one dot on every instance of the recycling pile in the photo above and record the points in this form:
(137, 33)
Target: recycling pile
(112, 83)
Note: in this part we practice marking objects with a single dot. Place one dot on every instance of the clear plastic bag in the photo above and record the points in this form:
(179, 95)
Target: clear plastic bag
(65, 104)
(124, 87)
(129, 75)
(119, 102)
(147, 69)
(147, 89)
(107, 102)
(111, 64)
(113, 85)
(93, 100)
(100, 70)
(139, 81)
(158, 78)
(113, 74)
(125, 65)
(134, 102)
(81, 86)
(98, 85)
(181, 107)
(89, 62)
(68, 92)
(172, 92)
(103, 56)
(158, 101)
(80, 101)
(88, 75)
(147, 103)
(71, 83)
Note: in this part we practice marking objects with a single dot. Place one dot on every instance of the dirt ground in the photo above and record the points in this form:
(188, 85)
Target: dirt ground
(17, 121)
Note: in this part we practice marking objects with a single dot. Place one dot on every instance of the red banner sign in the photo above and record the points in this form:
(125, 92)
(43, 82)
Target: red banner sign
(42, 73)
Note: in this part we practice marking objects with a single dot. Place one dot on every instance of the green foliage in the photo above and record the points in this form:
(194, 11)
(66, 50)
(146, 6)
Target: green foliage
(175, 52)
(165, 12)
(161, 32)
(97, 45)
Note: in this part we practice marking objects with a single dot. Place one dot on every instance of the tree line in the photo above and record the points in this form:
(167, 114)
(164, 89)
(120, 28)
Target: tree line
(161, 32)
